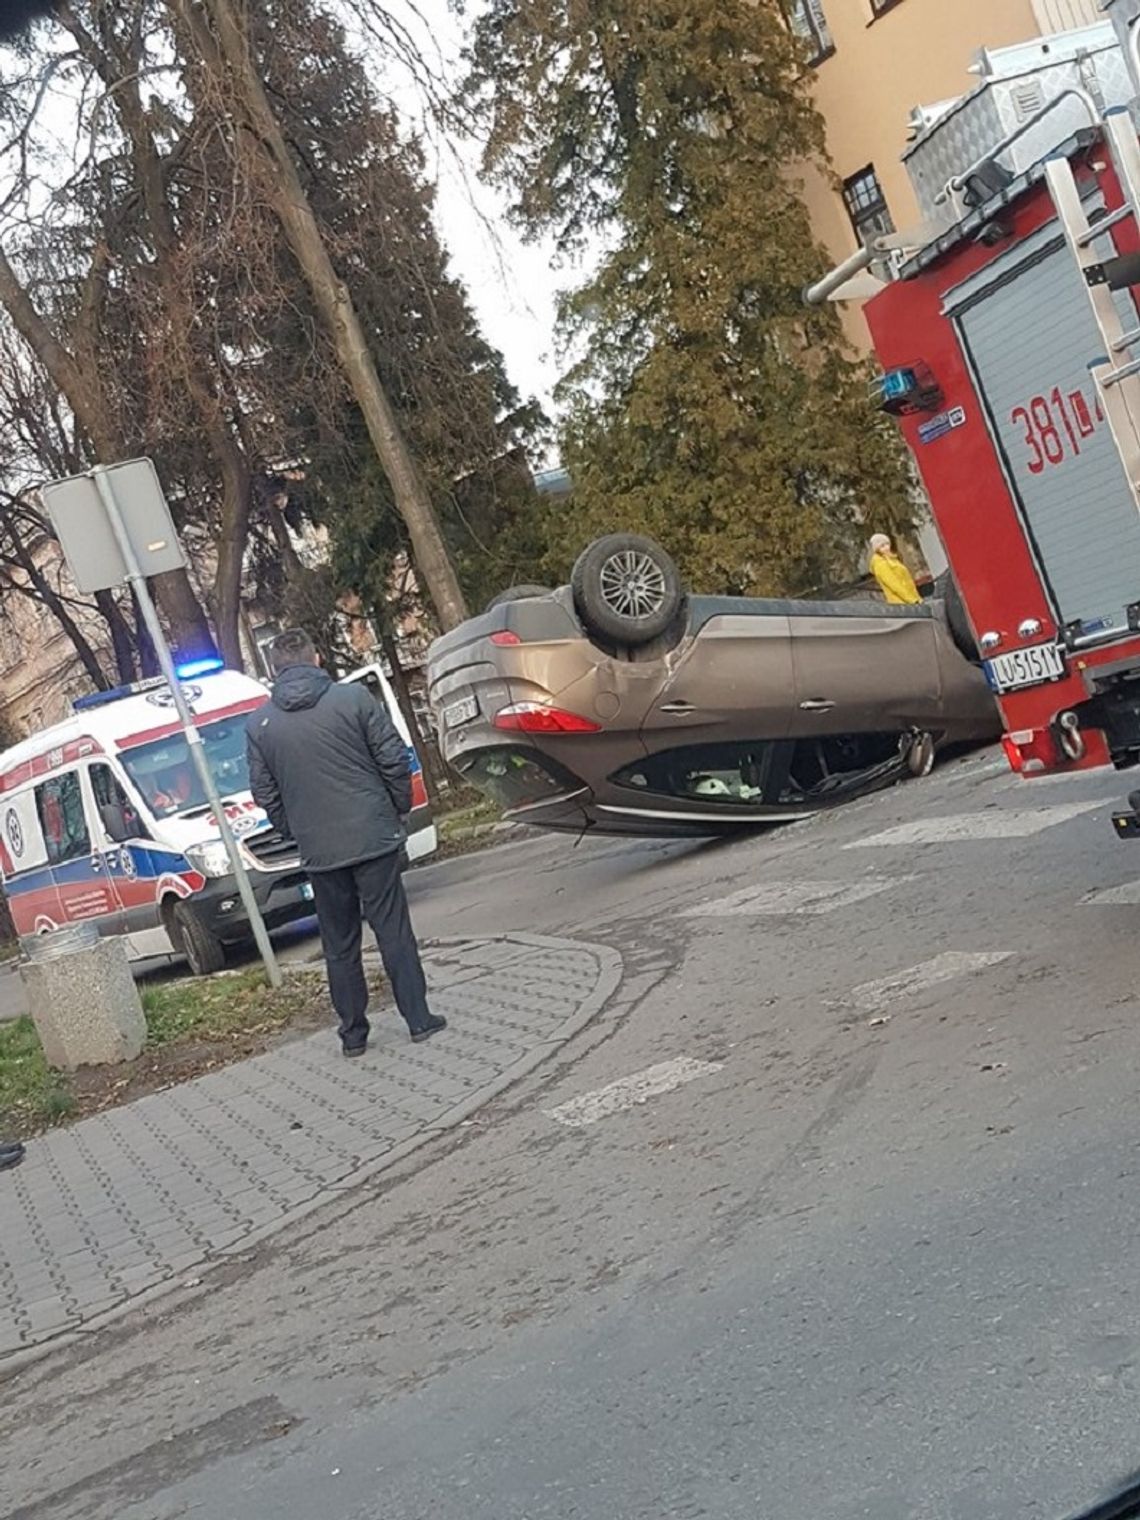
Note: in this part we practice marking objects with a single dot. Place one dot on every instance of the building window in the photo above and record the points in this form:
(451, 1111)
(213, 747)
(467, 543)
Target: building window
(866, 204)
(807, 21)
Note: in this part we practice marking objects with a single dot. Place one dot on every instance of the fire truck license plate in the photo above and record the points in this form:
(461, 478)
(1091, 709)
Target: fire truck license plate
(1025, 667)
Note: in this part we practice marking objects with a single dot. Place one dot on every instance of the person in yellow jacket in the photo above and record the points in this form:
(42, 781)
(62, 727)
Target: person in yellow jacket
(895, 580)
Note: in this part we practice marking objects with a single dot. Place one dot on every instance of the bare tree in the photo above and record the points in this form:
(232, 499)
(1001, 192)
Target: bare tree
(223, 40)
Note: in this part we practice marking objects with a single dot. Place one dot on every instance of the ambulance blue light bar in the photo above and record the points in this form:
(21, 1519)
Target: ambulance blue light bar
(116, 694)
(206, 666)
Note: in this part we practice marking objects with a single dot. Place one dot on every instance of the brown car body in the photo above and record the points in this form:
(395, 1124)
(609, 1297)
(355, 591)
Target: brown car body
(753, 712)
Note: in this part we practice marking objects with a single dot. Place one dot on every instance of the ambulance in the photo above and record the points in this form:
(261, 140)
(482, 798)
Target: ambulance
(103, 819)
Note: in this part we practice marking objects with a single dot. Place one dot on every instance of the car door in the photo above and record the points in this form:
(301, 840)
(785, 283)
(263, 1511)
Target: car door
(733, 679)
(125, 861)
(861, 670)
(32, 893)
(74, 854)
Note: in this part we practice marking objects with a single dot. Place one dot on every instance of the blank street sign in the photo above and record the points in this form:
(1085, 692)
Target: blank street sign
(84, 529)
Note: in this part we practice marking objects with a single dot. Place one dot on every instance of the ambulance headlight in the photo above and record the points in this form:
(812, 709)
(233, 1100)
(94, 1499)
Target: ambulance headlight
(209, 858)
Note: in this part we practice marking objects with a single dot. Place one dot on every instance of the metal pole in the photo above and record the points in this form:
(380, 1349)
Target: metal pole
(189, 728)
(815, 295)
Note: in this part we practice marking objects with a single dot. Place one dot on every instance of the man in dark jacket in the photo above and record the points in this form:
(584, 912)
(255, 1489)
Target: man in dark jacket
(329, 768)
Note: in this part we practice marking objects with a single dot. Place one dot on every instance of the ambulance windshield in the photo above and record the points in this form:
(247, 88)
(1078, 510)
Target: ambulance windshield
(164, 772)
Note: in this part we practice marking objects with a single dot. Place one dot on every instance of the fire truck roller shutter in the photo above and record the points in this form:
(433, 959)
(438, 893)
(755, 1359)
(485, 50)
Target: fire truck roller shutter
(1029, 335)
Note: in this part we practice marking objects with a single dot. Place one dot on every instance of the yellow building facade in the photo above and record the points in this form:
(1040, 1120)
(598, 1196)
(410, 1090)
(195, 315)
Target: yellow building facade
(874, 61)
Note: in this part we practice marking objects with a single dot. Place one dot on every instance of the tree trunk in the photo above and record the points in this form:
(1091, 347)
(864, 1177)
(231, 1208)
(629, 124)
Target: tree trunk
(187, 622)
(423, 740)
(231, 558)
(122, 639)
(148, 655)
(287, 196)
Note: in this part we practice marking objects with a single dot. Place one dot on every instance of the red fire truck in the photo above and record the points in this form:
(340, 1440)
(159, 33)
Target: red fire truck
(1010, 347)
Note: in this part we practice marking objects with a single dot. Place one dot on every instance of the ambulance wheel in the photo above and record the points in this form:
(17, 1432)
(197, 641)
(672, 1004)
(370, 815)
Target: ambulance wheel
(204, 952)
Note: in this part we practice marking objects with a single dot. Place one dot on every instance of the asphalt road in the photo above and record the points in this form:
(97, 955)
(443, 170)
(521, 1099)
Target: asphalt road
(872, 1254)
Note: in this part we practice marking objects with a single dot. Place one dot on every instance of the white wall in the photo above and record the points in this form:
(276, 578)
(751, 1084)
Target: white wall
(1062, 15)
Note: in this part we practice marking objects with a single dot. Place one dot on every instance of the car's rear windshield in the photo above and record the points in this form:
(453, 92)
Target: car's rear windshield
(514, 775)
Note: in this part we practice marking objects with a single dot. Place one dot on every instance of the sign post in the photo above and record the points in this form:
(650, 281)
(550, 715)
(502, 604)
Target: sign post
(115, 527)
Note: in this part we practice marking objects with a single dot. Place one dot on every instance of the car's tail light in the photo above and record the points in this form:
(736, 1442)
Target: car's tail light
(1030, 750)
(538, 718)
(505, 638)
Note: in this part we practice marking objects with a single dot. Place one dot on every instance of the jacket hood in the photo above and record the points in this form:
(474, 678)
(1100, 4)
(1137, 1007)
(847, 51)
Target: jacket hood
(300, 686)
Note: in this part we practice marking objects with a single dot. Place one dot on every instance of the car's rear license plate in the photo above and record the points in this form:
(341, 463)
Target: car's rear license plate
(460, 712)
(1025, 667)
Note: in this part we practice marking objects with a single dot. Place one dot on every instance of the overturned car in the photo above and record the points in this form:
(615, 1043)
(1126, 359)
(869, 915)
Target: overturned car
(623, 704)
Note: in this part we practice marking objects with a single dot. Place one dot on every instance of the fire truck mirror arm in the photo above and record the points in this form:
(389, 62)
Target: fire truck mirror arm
(877, 248)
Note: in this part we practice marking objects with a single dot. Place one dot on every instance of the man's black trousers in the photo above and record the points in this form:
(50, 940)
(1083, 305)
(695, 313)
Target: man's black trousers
(374, 889)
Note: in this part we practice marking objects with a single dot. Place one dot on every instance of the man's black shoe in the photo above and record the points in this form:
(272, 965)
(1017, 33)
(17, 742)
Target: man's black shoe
(11, 1154)
(352, 1051)
(434, 1024)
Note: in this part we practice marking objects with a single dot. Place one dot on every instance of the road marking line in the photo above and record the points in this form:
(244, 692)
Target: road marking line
(628, 1092)
(872, 996)
(995, 823)
(1127, 895)
(788, 898)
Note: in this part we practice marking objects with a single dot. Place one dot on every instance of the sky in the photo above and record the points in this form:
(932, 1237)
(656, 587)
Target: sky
(513, 285)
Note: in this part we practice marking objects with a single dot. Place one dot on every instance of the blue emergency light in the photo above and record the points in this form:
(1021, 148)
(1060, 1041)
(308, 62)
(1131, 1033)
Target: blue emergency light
(204, 666)
(897, 384)
(116, 694)
(909, 388)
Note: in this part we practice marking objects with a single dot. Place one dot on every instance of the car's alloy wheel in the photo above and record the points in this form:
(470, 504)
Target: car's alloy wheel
(627, 590)
(633, 584)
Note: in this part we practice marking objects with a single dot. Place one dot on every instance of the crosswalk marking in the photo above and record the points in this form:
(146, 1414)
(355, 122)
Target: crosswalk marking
(781, 898)
(1127, 895)
(991, 823)
(628, 1092)
(872, 996)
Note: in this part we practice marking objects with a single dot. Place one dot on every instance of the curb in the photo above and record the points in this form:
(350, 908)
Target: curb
(610, 969)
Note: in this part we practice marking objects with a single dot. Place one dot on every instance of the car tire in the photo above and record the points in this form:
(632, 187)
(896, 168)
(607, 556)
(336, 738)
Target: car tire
(205, 954)
(920, 754)
(946, 590)
(516, 594)
(627, 589)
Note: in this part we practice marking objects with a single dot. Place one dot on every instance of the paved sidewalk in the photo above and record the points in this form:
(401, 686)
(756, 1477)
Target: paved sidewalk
(137, 1198)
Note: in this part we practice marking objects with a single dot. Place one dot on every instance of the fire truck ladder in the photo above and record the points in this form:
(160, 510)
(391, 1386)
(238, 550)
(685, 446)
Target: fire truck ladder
(1117, 383)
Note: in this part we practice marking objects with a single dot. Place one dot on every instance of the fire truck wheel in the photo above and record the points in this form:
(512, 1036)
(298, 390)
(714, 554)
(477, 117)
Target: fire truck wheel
(947, 591)
(204, 952)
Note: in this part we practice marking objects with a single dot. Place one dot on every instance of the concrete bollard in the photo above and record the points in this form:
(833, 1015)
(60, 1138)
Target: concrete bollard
(83, 998)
